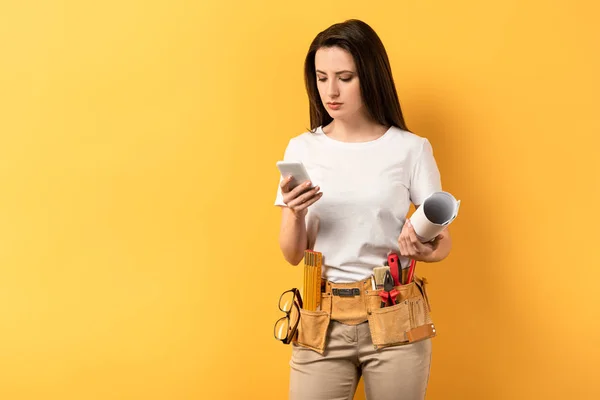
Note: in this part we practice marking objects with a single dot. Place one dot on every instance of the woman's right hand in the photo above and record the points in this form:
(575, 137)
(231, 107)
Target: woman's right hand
(300, 198)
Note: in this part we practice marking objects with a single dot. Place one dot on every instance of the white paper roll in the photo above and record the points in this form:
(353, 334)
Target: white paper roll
(437, 211)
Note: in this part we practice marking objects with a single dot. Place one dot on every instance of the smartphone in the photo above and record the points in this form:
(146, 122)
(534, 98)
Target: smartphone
(296, 170)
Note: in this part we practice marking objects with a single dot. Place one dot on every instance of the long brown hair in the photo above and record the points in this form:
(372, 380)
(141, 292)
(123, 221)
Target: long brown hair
(375, 75)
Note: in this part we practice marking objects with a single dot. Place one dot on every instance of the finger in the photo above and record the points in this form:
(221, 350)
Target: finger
(424, 248)
(310, 201)
(307, 203)
(413, 240)
(285, 183)
(297, 191)
(303, 197)
(402, 241)
(410, 230)
(402, 246)
(441, 235)
(415, 247)
(411, 249)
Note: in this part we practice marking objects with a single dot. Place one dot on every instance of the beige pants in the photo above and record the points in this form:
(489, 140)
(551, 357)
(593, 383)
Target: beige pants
(391, 373)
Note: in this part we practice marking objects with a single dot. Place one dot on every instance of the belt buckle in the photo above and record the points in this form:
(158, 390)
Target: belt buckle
(350, 292)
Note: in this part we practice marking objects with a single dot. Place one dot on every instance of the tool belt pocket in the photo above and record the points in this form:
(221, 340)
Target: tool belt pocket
(406, 322)
(312, 329)
(389, 325)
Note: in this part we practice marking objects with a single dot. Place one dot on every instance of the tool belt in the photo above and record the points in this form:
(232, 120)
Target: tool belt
(353, 303)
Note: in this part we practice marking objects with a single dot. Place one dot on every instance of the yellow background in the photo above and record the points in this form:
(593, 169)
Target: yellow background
(138, 240)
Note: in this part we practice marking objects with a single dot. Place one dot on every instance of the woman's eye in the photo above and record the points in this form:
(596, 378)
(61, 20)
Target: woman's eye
(348, 79)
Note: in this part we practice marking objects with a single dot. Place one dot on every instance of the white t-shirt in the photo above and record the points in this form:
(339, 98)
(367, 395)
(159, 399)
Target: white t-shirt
(367, 189)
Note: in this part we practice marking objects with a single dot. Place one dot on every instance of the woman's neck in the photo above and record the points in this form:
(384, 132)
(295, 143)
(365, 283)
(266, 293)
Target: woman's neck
(356, 130)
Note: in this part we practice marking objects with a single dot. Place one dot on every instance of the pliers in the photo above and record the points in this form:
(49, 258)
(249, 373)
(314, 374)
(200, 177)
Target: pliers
(389, 293)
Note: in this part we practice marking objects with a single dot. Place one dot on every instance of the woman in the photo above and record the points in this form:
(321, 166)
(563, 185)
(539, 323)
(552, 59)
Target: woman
(368, 168)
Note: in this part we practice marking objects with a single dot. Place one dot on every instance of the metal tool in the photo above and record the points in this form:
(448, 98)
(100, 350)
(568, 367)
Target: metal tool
(389, 294)
(379, 274)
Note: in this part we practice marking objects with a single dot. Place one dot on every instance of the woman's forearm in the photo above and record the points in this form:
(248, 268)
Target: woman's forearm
(292, 236)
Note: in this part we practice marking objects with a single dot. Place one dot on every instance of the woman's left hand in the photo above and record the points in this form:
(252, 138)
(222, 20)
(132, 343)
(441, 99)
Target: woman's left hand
(411, 246)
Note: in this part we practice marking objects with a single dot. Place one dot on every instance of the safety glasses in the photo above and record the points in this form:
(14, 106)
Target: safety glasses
(290, 303)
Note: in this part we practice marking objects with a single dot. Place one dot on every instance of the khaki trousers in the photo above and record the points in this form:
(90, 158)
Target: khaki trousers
(390, 373)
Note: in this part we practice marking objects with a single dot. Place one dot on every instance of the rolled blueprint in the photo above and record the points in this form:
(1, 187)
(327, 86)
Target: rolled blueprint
(437, 212)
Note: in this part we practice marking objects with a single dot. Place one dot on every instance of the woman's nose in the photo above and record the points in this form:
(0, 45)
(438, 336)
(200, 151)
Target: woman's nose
(332, 88)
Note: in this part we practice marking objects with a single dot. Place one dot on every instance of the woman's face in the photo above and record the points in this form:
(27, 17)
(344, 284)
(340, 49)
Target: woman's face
(337, 81)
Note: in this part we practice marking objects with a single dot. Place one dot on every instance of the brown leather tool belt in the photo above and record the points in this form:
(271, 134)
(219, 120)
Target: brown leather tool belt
(353, 303)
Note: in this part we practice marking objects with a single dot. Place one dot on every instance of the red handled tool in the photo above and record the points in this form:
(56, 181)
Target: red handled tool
(411, 271)
(394, 262)
(389, 294)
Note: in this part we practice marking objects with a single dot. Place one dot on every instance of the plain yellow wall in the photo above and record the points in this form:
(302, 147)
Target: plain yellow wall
(138, 240)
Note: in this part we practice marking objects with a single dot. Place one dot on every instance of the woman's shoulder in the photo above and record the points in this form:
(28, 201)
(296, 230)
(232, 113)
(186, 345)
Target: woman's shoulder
(406, 139)
(299, 145)
(310, 133)
(306, 137)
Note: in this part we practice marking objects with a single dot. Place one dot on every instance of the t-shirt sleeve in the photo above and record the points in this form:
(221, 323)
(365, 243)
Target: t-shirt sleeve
(291, 154)
(425, 177)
